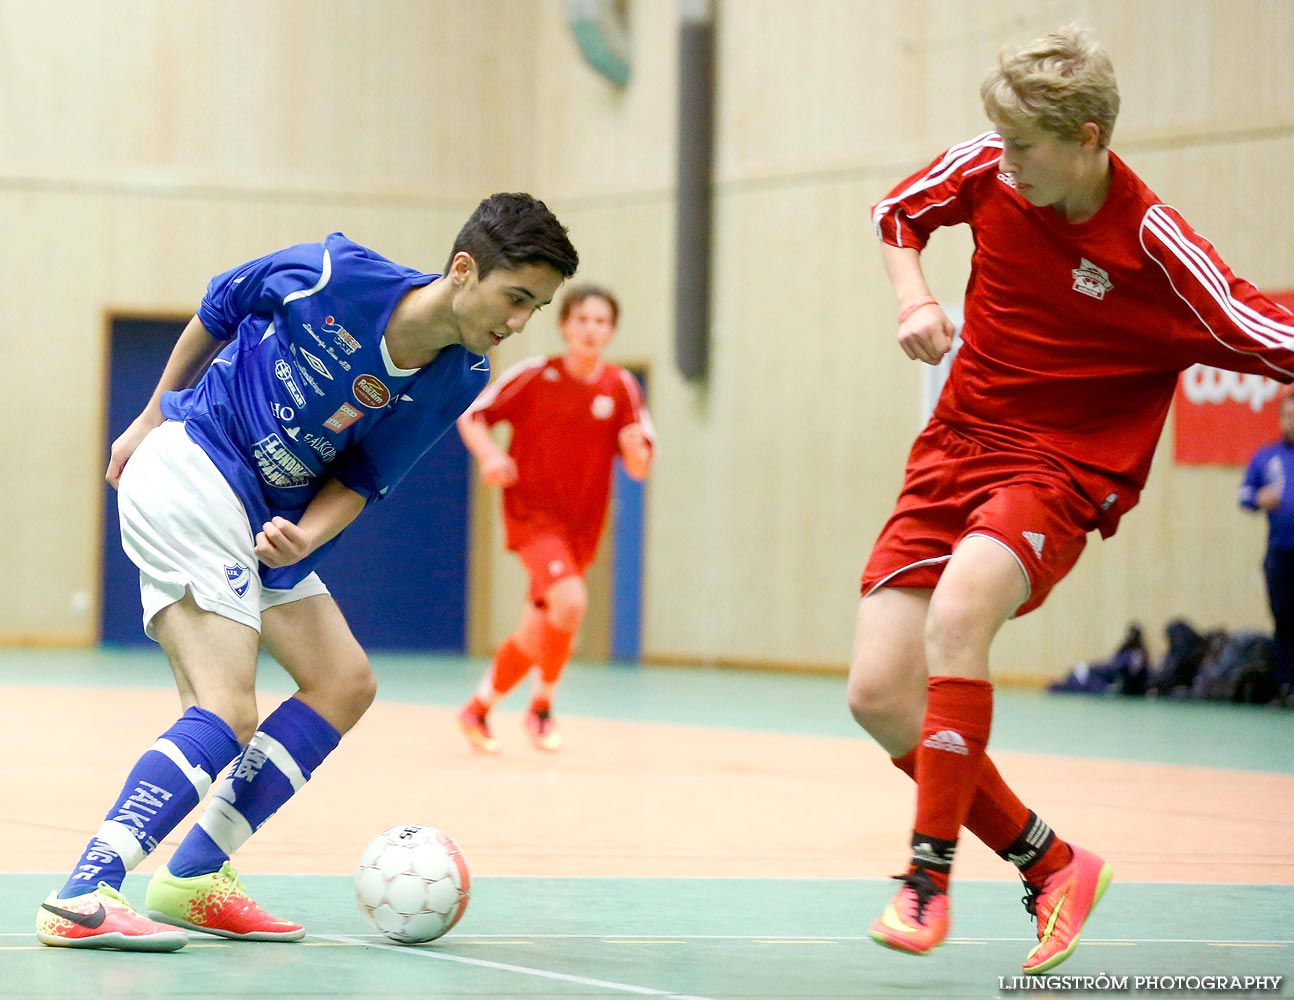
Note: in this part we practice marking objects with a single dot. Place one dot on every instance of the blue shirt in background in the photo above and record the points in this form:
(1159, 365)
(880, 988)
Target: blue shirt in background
(1273, 465)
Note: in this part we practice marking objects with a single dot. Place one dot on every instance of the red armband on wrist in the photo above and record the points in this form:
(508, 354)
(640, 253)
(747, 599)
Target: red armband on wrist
(912, 307)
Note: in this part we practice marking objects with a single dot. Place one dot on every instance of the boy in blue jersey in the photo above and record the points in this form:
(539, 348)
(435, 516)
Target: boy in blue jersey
(306, 386)
(1269, 486)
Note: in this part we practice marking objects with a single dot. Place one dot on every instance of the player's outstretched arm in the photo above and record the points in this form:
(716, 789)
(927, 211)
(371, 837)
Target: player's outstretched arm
(282, 543)
(636, 450)
(189, 358)
(497, 466)
(925, 331)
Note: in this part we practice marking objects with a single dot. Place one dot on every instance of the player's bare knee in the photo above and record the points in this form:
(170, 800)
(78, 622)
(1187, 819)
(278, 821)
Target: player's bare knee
(363, 689)
(242, 718)
(350, 689)
(872, 698)
(566, 611)
(955, 631)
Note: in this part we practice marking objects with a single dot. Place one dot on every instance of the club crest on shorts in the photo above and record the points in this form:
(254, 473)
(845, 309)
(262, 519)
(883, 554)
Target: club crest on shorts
(239, 578)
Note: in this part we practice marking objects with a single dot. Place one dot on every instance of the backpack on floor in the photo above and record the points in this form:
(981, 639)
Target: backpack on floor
(1175, 674)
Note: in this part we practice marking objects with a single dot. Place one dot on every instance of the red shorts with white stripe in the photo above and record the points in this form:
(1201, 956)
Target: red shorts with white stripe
(547, 558)
(954, 488)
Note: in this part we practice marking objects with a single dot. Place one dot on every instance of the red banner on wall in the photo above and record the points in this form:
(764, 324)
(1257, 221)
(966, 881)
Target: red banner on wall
(1221, 417)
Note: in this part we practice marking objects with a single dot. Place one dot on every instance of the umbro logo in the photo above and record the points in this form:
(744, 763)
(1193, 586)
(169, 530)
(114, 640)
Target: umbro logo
(1035, 540)
(947, 739)
(90, 920)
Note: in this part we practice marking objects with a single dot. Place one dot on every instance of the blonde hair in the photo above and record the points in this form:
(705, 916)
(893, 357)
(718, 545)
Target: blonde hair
(1056, 83)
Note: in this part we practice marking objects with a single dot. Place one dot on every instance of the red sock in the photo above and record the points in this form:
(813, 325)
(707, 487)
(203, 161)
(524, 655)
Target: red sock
(996, 814)
(959, 715)
(510, 665)
(1000, 819)
(554, 650)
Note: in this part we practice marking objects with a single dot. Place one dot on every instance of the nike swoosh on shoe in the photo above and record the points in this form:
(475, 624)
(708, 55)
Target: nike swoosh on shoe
(90, 920)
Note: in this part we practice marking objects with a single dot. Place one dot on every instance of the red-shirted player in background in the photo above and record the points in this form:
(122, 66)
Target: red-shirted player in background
(1087, 297)
(570, 415)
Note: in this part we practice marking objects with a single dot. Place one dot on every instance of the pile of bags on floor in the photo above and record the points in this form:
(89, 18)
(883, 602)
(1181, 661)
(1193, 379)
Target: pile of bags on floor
(1211, 666)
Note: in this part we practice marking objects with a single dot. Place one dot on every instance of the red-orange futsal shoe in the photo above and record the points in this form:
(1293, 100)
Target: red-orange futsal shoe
(217, 904)
(1062, 906)
(542, 728)
(916, 919)
(102, 919)
(477, 730)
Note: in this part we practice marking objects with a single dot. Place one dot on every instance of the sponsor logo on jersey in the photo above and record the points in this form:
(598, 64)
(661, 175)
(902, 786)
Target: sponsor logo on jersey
(278, 466)
(283, 371)
(1090, 279)
(316, 364)
(1109, 501)
(370, 391)
(1006, 179)
(283, 414)
(343, 418)
(603, 407)
(339, 334)
(1035, 540)
(239, 578)
(551, 375)
(306, 377)
(322, 446)
(325, 347)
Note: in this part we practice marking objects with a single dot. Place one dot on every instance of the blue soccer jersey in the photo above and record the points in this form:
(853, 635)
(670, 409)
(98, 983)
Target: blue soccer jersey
(1273, 465)
(306, 389)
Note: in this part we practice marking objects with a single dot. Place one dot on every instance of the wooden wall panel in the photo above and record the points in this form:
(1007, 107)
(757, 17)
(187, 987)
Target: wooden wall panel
(195, 141)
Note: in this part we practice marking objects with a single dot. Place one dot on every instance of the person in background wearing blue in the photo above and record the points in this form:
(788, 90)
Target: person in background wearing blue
(1268, 486)
(309, 382)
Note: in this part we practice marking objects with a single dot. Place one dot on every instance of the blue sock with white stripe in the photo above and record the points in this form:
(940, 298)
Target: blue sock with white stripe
(277, 763)
(166, 783)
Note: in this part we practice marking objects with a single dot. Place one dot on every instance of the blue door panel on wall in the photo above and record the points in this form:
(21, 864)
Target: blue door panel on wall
(399, 572)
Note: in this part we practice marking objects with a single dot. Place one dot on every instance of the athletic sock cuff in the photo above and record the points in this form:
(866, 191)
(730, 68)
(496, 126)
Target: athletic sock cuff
(205, 739)
(308, 735)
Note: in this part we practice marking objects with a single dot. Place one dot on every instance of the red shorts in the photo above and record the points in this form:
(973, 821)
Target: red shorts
(547, 559)
(955, 487)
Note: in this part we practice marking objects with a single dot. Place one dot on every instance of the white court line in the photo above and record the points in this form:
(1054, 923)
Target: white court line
(524, 970)
(376, 940)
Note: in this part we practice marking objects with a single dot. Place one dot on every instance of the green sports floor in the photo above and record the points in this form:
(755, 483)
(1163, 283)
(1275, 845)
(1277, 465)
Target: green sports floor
(769, 937)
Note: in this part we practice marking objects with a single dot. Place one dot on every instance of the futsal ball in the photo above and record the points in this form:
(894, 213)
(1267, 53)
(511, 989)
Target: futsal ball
(412, 883)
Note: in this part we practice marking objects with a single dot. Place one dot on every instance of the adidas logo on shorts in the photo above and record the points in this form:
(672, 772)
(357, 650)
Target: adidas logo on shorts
(948, 740)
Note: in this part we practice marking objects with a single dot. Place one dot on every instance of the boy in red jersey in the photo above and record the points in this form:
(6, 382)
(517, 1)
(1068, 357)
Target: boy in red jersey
(1087, 297)
(570, 415)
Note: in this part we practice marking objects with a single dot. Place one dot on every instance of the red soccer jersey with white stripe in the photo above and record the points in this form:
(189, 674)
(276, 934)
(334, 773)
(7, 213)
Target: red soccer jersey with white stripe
(1074, 334)
(564, 441)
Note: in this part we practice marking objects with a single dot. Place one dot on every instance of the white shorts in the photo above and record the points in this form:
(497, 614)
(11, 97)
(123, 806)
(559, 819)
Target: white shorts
(185, 528)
